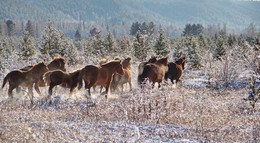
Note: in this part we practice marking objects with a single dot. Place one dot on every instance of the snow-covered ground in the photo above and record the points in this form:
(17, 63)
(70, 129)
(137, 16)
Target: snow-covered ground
(192, 113)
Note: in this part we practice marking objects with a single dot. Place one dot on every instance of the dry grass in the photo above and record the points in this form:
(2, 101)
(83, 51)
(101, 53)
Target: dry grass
(148, 115)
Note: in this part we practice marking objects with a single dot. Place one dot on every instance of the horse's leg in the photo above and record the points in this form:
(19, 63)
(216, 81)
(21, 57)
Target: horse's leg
(130, 84)
(177, 80)
(36, 87)
(10, 91)
(122, 87)
(94, 88)
(89, 85)
(73, 86)
(52, 85)
(101, 87)
(159, 84)
(107, 87)
(30, 93)
(18, 89)
(153, 84)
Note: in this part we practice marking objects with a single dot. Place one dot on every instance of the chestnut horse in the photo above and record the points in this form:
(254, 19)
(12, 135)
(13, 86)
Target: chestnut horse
(100, 75)
(55, 64)
(125, 78)
(21, 78)
(154, 72)
(175, 70)
(64, 79)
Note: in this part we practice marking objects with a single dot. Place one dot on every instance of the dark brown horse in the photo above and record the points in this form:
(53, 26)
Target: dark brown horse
(64, 79)
(100, 75)
(57, 63)
(141, 65)
(154, 72)
(120, 80)
(19, 78)
(175, 70)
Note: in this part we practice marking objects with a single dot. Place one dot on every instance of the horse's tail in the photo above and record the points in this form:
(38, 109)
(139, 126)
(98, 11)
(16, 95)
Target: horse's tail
(6, 79)
(46, 78)
(80, 82)
(140, 68)
(144, 74)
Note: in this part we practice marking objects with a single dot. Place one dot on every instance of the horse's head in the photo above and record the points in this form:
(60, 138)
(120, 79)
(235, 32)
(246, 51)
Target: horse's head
(57, 63)
(162, 61)
(181, 61)
(119, 68)
(127, 63)
(153, 59)
(41, 67)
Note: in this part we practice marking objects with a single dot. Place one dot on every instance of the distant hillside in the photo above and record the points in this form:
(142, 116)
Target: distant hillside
(178, 12)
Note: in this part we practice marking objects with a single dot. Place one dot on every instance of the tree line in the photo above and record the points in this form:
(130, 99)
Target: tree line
(142, 41)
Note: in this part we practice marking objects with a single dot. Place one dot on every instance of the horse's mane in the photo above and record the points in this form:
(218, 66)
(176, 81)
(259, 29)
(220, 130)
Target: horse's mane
(103, 61)
(75, 71)
(41, 64)
(109, 64)
(163, 61)
(55, 58)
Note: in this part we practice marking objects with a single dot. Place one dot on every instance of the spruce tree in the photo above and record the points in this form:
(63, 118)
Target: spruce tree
(71, 53)
(109, 44)
(53, 42)
(220, 47)
(77, 36)
(193, 53)
(161, 45)
(29, 28)
(10, 27)
(27, 47)
(141, 48)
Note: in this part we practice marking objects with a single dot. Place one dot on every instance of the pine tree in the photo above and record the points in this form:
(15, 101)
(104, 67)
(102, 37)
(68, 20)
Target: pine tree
(53, 42)
(27, 47)
(193, 53)
(220, 47)
(141, 48)
(77, 36)
(124, 45)
(109, 44)
(95, 45)
(161, 46)
(29, 28)
(10, 27)
(71, 53)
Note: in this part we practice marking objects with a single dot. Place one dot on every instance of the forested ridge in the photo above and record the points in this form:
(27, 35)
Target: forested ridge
(177, 12)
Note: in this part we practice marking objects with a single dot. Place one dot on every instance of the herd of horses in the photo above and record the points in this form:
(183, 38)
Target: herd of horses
(108, 74)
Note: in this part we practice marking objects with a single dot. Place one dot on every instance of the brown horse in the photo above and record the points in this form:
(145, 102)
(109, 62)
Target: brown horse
(125, 78)
(64, 79)
(21, 78)
(153, 59)
(175, 70)
(100, 75)
(55, 64)
(154, 72)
